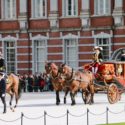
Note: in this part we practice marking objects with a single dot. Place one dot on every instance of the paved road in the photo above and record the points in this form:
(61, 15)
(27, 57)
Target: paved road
(33, 105)
(99, 98)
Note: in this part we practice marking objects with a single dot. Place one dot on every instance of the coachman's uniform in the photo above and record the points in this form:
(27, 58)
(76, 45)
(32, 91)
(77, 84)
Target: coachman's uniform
(98, 58)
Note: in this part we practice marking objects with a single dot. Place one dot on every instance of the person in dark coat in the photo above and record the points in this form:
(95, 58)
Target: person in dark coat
(3, 90)
(123, 55)
(2, 63)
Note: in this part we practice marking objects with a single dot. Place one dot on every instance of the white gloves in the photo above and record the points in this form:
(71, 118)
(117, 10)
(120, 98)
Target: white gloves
(3, 95)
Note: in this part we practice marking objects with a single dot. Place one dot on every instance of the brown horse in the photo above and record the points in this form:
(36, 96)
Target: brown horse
(77, 80)
(58, 85)
(13, 88)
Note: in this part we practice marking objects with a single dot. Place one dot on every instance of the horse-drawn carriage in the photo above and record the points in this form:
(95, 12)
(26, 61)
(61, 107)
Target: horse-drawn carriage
(110, 78)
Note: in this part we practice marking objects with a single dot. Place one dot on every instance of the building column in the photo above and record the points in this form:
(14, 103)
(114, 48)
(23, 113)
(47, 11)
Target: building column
(118, 13)
(23, 14)
(53, 15)
(85, 14)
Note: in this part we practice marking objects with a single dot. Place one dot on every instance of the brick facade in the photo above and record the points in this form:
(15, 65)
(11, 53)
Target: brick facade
(74, 25)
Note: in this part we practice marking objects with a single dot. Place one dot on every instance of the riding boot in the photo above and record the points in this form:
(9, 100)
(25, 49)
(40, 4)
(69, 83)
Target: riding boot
(4, 103)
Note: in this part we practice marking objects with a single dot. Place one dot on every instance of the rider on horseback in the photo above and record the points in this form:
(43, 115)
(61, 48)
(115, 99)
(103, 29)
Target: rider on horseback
(98, 58)
(3, 90)
(2, 63)
(2, 82)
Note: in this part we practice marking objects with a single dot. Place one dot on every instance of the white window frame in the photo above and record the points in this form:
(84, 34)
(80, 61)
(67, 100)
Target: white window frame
(102, 7)
(74, 8)
(38, 10)
(8, 9)
(35, 39)
(4, 50)
(70, 38)
(99, 41)
(10, 56)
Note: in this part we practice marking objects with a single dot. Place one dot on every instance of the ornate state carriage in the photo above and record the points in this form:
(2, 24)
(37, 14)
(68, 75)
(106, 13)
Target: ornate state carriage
(110, 78)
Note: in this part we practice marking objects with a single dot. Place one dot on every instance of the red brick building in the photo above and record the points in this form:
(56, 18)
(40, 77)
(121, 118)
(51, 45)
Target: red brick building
(33, 31)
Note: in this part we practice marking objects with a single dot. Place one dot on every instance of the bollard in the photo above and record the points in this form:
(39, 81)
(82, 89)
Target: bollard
(87, 116)
(45, 117)
(22, 118)
(107, 115)
(67, 117)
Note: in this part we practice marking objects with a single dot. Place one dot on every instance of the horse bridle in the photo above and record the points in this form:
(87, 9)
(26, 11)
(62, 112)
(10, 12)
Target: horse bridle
(50, 68)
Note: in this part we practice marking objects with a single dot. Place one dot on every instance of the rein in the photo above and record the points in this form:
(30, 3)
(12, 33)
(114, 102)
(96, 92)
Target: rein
(71, 77)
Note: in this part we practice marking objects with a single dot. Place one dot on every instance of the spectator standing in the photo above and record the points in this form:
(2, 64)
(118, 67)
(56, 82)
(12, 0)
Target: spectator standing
(30, 83)
(41, 82)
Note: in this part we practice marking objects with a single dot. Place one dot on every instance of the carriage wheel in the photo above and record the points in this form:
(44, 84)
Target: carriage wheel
(112, 93)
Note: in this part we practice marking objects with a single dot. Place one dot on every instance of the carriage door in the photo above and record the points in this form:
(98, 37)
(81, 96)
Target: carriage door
(10, 56)
(71, 52)
(40, 55)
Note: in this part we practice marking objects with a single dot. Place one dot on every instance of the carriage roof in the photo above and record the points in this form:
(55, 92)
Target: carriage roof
(113, 62)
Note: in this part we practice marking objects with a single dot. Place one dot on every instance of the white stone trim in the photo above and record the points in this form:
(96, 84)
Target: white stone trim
(70, 36)
(9, 38)
(38, 37)
(102, 35)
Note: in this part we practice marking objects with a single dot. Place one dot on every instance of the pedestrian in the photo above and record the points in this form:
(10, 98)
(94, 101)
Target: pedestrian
(3, 90)
(122, 55)
(98, 58)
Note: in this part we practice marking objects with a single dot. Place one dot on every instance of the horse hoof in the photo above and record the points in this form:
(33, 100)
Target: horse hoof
(57, 103)
(64, 101)
(73, 104)
(4, 112)
(12, 109)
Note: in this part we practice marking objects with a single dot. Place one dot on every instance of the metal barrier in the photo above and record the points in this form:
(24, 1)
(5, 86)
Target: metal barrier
(45, 115)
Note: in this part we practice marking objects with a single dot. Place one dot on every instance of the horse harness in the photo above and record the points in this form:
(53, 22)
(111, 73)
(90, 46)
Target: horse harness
(74, 77)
